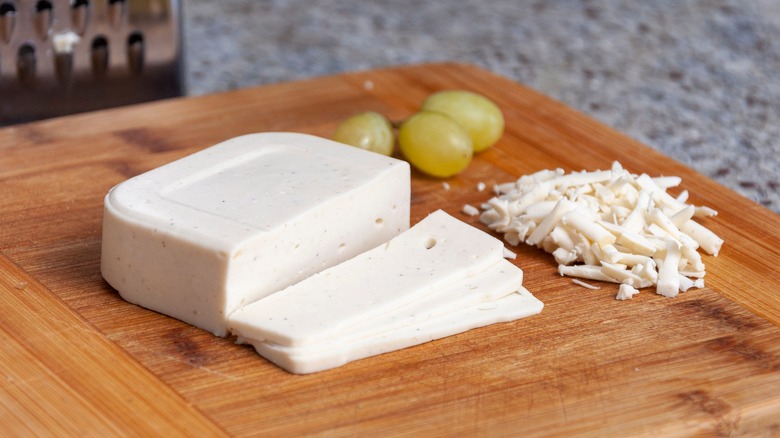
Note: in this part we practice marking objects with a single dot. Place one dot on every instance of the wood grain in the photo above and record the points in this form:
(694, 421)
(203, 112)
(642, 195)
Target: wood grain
(62, 377)
(706, 362)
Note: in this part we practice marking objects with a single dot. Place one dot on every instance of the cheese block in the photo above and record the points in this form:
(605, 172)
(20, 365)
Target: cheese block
(304, 360)
(436, 252)
(200, 237)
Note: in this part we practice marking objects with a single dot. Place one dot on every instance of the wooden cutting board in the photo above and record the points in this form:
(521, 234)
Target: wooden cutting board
(77, 359)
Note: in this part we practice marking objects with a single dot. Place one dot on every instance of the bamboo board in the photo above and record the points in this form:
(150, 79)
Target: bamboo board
(76, 358)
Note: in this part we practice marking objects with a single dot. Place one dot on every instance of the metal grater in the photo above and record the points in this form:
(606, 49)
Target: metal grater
(61, 57)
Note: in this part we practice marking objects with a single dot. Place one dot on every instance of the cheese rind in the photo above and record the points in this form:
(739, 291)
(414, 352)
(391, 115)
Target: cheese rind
(202, 236)
(436, 252)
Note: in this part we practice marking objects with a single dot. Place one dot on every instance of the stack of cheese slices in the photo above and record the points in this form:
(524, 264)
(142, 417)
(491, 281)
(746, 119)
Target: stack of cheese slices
(439, 278)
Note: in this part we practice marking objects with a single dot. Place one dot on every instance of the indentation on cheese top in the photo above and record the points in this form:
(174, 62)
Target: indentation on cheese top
(244, 187)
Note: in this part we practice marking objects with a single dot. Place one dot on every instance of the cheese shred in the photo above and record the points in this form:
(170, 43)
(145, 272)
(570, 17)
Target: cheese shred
(585, 285)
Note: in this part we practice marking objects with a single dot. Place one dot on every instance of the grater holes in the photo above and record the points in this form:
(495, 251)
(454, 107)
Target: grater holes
(26, 64)
(42, 5)
(135, 52)
(63, 67)
(79, 15)
(7, 21)
(99, 52)
(43, 17)
(116, 9)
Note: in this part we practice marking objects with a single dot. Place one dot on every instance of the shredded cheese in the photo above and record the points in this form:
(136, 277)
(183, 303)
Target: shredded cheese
(470, 210)
(65, 42)
(607, 225)
(626, 292)
(585, 285)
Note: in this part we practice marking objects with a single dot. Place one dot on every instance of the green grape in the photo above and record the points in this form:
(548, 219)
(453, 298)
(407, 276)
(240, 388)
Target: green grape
(369, 130)
(435, 144)
(481, 118)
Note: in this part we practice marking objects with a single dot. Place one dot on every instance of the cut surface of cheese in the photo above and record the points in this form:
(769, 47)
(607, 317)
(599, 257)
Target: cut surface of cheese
(438, 251)
(202, 236)
(304, 360)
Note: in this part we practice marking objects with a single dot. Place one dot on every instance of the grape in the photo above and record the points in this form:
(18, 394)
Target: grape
(435, 144)
(368, 130)
(481, 118)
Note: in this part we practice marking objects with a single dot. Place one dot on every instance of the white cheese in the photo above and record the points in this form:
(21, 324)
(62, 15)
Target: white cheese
(708, 240)
(668, 273)
(439, 278)
(303, 360)
(626, 292)
(200, 237)
(585, 285)
(509, 254)
(617, 224)
(686, 283)
(470, 210)
(546, 226)
(590, 229)
(498, 281)
(590, 272)
(436, 252)
(64, 42)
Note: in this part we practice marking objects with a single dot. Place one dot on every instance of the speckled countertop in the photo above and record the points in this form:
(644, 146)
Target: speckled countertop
(697, 80)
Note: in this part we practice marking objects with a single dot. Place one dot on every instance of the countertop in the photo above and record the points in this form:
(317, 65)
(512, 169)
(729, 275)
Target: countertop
(698, 81)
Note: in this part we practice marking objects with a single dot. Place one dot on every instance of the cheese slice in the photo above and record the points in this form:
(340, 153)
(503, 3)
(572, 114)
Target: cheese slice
(497, 281)
(304, 360)
(436, 252)
(200, 237)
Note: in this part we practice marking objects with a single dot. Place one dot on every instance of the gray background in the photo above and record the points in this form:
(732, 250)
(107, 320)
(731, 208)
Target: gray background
(697, 80)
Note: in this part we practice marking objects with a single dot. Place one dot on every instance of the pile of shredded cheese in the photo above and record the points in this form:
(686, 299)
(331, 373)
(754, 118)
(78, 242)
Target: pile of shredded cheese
(607, 225)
